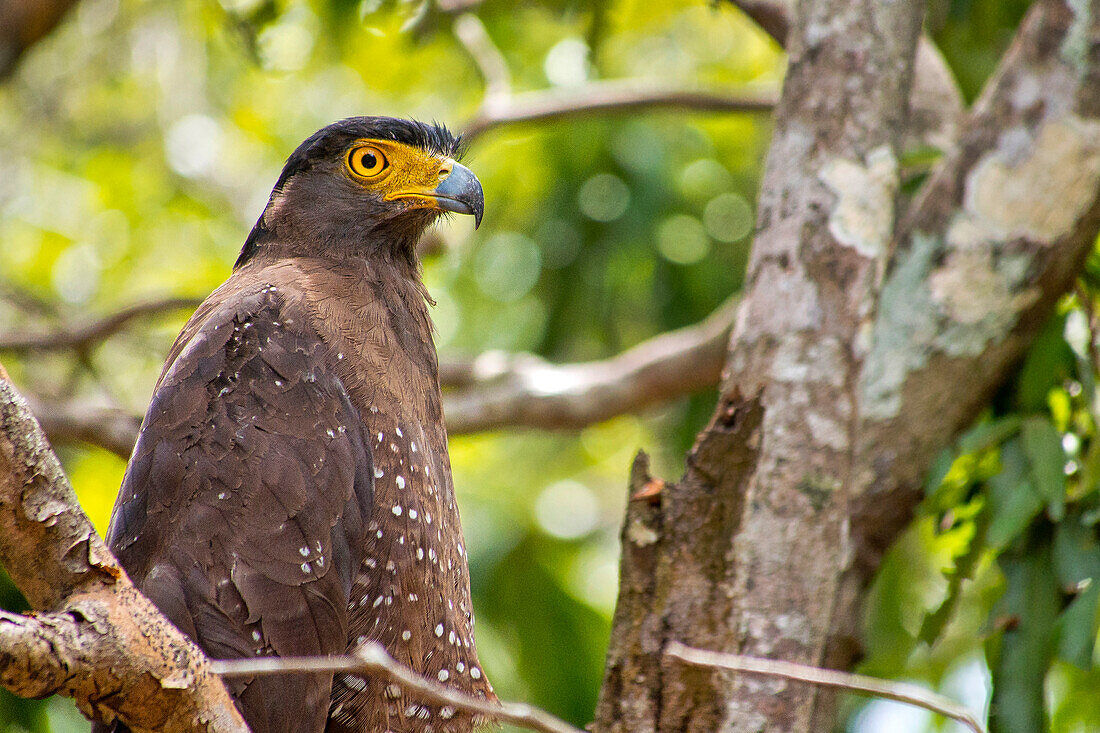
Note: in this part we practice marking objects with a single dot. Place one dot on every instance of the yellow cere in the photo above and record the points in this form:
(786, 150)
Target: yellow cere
(397, 170)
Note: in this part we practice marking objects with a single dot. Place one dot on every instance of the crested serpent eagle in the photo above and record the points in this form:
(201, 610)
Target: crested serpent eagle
(290, 491)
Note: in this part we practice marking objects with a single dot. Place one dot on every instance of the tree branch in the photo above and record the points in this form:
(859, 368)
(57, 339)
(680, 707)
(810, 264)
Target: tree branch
(372, 658)
(753, 538)
(81, 337)
(618, 96)
(502, 390)
(773, 16)
(97, 639)
(111, 428)
(471, 32)
(992, 241)
(501, 107)
(897, 691)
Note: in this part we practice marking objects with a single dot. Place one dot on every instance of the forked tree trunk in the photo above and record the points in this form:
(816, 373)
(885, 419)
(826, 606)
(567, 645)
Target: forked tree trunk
(868, 336)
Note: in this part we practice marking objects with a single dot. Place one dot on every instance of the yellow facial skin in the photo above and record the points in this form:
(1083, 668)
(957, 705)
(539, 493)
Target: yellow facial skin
(397, 171)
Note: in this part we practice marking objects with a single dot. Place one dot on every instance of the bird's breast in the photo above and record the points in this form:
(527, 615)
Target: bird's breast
(412, 593)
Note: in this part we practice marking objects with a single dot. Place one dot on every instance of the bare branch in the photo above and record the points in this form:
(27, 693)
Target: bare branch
(372, 658)
(898, 691)
(81, 337)
(601, 97)
(524, 390)
(99, 640)
(108, 427)
(501, 107)
(471, 32)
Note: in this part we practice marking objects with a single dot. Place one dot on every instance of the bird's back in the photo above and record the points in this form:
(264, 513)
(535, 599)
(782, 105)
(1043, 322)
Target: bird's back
(291, 493)
(244, 505)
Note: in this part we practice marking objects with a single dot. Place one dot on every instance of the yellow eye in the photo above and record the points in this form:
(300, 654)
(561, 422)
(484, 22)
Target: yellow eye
(366, 161)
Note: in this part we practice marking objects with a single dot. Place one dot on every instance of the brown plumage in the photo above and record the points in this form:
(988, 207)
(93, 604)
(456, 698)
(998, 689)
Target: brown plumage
(290, 492)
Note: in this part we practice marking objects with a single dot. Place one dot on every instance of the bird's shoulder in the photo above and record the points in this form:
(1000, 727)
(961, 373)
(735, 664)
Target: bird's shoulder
(270, 298)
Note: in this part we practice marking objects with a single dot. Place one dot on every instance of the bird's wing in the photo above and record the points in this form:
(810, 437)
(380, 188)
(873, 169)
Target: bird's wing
(245, 502)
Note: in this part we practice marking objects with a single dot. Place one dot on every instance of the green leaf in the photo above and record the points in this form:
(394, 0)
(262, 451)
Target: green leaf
(938, 471)
(1048, 363)
(1047, 461)
(989, 433)
(1076, 628)
(1013, 503)
(1076, 556)
(1072, 700)
(1028, 611)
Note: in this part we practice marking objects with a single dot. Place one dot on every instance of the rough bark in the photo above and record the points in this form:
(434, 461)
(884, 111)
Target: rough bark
(94, 637)
(865, 341)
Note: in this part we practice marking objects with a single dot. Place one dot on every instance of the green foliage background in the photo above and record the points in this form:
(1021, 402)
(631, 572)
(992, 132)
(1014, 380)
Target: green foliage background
(138, 144)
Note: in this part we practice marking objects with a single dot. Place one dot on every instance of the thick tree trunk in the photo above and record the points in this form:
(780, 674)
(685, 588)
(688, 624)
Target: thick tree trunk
(866, 339)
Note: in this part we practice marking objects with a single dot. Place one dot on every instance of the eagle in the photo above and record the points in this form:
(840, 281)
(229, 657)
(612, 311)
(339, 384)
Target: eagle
(290, 490)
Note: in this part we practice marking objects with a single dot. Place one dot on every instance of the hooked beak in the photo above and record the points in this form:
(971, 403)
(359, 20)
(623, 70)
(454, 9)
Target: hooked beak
(460, 192)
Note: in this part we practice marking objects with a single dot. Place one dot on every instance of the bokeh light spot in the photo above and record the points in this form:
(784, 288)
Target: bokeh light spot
(566, 63)
(560, 242)
(286, 46)
(507, 266)
(193, 144)
(603, 197)
(75, 274)
(682, 239)
(702, 178)
(567, 510)
(728, 217)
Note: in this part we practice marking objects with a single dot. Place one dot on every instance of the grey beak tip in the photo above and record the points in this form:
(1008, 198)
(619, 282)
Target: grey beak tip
(461, 192)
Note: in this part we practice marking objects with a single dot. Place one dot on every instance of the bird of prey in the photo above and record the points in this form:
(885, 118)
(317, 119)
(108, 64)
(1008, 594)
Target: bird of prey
(290, 491)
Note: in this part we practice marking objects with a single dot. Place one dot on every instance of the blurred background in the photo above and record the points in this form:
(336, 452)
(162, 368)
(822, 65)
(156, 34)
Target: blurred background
(140, 140)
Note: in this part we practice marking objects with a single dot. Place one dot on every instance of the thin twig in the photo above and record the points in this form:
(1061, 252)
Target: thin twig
(83, 336)
(471, 32)
(606, 97)
(373, 658)
(858, 683)
(68, 421)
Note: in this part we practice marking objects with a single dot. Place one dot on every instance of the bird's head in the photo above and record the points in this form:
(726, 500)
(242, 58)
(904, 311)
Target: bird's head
(366, 185)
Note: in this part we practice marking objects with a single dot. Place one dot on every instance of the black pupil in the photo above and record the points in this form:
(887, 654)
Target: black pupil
(368, 160)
